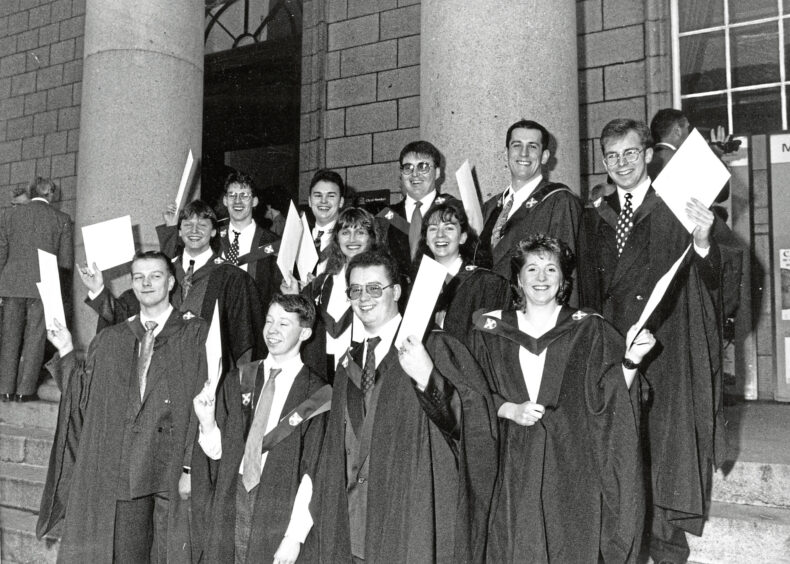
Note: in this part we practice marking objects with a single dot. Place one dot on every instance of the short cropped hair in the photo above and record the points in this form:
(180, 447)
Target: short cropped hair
(529, 124)
(298, 304)
(41, 187)
(618, 128)
(200, 209)
(154, 255)
(326, 175)
(374, 258)
(663, 122)
(539, 244)
(242, 179)
(422, 148)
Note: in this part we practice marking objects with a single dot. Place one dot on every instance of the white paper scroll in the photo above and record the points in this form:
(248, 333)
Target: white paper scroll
(466, 186)
(49, 289)
(109, 243)
(182, 186)
(694, 172)
(308, 256)
(289, 245)
(214, 350)
(422, 300)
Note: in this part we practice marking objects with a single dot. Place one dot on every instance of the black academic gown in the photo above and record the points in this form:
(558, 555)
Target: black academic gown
(294, 456)
(684, 421)
(428, 492)
(569, 487)
(109, 447)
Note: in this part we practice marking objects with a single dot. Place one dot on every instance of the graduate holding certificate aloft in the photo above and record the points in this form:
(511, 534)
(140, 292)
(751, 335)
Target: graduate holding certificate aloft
(409, 456)
(448, 238)
(570, 479)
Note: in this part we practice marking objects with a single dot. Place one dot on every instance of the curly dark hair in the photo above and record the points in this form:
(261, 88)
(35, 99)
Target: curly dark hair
(350, 217)
(447, 210)
(375, 258)
(539, 244)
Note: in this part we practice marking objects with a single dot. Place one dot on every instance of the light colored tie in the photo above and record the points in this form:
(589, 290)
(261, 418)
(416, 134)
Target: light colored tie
(415, 226)
(624, 223)
(146, 352)
(233, 252)
(499, 226)
(251, 473)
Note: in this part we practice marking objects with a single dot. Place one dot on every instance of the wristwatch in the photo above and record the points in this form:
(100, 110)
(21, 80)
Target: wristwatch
(629, 364)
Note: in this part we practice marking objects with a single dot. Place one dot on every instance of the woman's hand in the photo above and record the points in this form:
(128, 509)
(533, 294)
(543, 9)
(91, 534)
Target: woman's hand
(525, 414)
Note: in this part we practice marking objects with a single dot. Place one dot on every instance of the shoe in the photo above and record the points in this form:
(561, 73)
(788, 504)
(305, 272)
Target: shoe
(6, 397)
(22, 398)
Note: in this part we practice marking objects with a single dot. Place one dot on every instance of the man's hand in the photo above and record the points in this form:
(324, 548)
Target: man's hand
(60, 337)
(415, 361)
(703, 219)
(525, 414)
(288, 551)
(643, 342)
(289, 285)
(171, 219)
(184, 486)
(91, 277)
(203, 404)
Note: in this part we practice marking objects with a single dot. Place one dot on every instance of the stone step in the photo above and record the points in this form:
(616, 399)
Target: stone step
(39, 414)
(30, 445)
(18, 541)
(736, 533)
(21, 485)
(753, 483)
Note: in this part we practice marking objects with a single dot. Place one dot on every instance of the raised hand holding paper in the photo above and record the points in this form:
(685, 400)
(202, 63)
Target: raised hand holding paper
(308, 256)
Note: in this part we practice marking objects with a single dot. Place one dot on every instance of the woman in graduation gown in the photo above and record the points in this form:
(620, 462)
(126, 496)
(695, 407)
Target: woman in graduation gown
(447, 237)
(354, 233)
(569, 488)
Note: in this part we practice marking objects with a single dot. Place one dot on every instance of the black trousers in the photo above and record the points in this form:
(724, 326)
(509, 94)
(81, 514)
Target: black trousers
(141, 530)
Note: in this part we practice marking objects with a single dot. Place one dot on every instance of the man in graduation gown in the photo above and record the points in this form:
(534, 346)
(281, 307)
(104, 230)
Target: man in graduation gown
(630, 239)
(204, 280)
(531, 204)
(126, 431)
(409, 457)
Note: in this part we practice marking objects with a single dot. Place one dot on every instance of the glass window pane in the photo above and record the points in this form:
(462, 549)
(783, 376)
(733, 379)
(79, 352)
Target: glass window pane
(702, 66)
(706, 112)
(700, 14)
(756, 111)
(755, 54)
(786, 23)
(742, 11)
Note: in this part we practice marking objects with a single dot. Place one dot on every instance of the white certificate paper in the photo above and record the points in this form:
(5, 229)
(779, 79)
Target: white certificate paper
(49, 289)
(214, 349)
(694, 172)
(289, 245)
(182, 186)
(466, 186)
(308, 256)
(427, 286)
(109, 243)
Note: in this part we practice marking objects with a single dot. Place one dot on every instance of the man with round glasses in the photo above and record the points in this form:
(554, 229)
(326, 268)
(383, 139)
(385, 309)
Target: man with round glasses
(530, 204)
(629, 239)
(409, 457)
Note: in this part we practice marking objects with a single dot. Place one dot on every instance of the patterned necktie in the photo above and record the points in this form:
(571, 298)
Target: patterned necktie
(251, 473)
(186, 284)
(499, 226)
(624, 223)
(369, 372)
(415, 226)
(317, 241)
(233, 252)
(146, 352)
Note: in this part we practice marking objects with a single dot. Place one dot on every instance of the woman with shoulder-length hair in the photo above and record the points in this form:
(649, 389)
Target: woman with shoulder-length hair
(569, 488)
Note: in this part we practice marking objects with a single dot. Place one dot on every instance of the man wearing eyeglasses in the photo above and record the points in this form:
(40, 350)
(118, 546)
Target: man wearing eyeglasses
(630, 239)
(409, 455)
(530, 204)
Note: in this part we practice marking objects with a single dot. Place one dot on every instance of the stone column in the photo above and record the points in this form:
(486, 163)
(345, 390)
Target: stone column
(485, 65)
(142, 110)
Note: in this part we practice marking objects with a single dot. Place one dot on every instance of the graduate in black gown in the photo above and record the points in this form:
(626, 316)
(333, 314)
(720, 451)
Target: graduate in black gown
(570, 482)
(448, 238)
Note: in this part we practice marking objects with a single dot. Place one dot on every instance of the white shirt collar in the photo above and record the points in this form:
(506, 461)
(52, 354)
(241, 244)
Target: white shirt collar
(160, 319)
(290, 367)
(327, 229)
(455, 266)
(200, 260)
(387, 333)
(522, 195)
(426, 201)
(638, 194)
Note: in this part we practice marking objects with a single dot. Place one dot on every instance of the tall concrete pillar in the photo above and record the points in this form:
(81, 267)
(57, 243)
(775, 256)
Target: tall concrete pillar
(485, 65)
(142, 110)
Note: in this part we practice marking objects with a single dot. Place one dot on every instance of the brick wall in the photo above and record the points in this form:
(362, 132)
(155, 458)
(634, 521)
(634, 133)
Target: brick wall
(370, 107)
(40, 90)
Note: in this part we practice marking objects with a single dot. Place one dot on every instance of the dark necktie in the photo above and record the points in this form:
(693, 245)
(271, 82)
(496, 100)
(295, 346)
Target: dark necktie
(415, 226)
(146, 352)
(186, 284)
(251, 473)
(499, 226)
(369, 372)
(317, 241)
(624, 223)
(233, 252)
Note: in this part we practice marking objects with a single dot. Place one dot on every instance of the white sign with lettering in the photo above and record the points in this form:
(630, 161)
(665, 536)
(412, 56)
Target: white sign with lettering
(780, 148)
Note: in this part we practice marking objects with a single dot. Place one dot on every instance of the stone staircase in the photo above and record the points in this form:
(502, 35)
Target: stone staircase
(749, 519)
